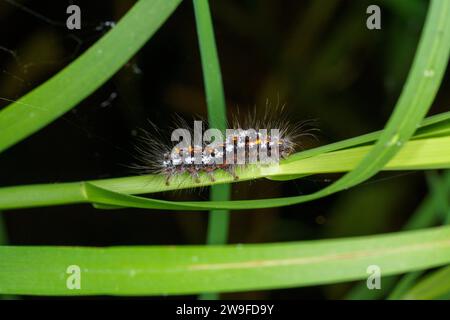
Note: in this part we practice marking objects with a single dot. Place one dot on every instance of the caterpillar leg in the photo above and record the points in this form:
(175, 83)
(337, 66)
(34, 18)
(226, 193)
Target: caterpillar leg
(232, 170)
(168, 176)
(211, 176)
(168, 173)
(194, 174)
(210, 173)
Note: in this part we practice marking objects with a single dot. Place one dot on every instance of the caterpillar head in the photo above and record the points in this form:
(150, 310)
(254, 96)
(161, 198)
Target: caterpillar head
(286, 147)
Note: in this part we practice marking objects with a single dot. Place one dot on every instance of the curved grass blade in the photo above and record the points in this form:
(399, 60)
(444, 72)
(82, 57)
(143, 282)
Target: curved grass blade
(71, 192)
(417, 154)
(83, 76)
(416, 98)
(423, 82)
(437, 125)
(106, 197)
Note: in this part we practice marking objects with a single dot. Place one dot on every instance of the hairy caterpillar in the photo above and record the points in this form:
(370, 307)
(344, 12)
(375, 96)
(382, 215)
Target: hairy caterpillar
(261, 141)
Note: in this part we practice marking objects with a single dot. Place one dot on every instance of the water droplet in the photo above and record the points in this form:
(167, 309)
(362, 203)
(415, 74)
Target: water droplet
(428, 73)
(110, 24)
(136, 68)
(393, 141)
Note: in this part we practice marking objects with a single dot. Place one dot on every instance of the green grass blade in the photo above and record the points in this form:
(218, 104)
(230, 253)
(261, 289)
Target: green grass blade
(146, 184)
(440, 189)
(434, 286)
(95, 195)
(437, 125)
(425, 216)
(83, 76)
(218, 224)
(217, 117)
(71, 192)
(423, 82)
(191, 269)
(215, 97)
(405, 283)
(430, 153)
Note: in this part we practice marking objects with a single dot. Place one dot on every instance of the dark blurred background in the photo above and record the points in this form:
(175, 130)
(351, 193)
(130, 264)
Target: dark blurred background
(316, 57)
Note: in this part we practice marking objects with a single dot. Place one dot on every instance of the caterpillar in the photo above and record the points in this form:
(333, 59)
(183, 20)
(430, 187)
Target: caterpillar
(199, 149)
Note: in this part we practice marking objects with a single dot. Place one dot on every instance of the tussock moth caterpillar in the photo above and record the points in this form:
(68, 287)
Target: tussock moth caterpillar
(198, 149)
